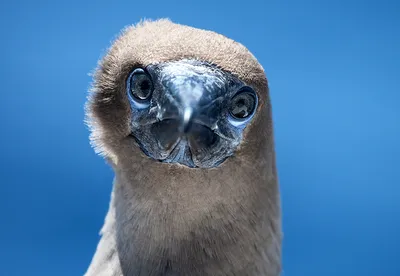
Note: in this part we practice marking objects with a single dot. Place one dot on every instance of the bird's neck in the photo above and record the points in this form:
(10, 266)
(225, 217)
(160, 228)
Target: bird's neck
(190, 222)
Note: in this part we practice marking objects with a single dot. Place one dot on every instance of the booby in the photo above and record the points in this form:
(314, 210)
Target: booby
(183, 116)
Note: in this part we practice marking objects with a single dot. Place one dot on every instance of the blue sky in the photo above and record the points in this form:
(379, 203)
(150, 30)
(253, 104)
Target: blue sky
(333, 68)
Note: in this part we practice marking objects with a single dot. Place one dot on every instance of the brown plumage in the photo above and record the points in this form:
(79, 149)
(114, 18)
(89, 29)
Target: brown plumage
(168, 219)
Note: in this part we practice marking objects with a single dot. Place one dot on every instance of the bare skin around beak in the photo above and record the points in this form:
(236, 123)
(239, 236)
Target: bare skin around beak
(186, 125)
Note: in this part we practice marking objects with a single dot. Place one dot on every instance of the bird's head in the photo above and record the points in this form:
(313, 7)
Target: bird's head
(178, 95)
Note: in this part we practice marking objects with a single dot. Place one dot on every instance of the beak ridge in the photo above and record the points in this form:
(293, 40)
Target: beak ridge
(187, 119)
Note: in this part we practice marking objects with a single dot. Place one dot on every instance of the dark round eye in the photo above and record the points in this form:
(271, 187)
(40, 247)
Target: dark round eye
(140, 85)
(243, 104)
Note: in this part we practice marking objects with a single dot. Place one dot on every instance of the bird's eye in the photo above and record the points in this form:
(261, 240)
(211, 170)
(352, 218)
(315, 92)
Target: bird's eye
(243, 104)
(140, 86)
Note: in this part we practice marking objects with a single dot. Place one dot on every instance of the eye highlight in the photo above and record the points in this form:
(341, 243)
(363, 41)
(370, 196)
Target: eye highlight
(243, 104)
(140, 88)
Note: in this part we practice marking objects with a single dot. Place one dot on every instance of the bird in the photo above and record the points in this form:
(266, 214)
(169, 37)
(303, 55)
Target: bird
(183, 117)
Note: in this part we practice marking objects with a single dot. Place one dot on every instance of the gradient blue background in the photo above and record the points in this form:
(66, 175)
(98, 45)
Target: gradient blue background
(333, 68)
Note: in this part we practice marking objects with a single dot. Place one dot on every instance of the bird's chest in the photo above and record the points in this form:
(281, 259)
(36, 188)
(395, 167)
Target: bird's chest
(160, 241)
(176, 234)
(153, 248)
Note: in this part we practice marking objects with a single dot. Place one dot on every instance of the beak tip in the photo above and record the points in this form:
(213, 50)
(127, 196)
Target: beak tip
(187, 118)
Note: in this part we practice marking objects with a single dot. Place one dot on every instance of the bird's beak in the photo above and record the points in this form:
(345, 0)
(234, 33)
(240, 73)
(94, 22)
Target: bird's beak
(188, 111)
(189, 102)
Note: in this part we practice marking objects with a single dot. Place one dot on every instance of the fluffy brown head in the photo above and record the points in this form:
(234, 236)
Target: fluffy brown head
(108, 110)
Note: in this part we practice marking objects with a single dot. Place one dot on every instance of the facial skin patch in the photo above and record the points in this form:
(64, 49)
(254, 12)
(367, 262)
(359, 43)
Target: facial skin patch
(189, 119)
